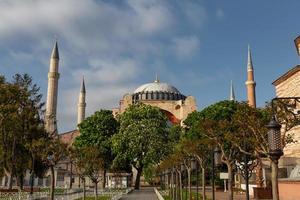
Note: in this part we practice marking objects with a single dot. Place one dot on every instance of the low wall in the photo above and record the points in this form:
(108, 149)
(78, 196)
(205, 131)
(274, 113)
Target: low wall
(243, 186)
(289, 189)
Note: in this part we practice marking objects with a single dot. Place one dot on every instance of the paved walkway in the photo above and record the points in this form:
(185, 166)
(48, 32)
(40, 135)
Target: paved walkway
(146, 193)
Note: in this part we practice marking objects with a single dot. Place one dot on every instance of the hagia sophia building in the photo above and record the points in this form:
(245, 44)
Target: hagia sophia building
(175, 104)
(167, 97)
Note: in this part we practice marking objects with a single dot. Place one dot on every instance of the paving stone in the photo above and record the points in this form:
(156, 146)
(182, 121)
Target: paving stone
(146, 193)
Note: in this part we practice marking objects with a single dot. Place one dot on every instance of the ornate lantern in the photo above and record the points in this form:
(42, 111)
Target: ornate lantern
(274, 139)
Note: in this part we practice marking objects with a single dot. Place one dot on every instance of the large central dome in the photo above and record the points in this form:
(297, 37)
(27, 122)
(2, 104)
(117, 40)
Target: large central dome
(157, 91)
(156, 86)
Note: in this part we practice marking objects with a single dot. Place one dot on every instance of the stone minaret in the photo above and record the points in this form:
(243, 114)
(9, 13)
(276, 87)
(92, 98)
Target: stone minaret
(232, 96)
(51, 107)
(81, 103)
(250, 83)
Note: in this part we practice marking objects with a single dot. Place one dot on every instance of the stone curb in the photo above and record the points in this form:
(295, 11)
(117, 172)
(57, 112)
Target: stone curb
(119, 196)
(159, 196)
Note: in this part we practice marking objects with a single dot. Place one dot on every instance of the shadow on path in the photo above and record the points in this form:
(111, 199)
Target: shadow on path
(146, 193)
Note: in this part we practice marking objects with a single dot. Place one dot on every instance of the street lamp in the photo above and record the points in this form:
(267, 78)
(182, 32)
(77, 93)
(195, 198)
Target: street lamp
(274, 139)
(275, 152)
(216, 161)
(289, 104)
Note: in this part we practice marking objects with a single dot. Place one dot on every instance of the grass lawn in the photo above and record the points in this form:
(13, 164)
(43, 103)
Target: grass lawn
(98, 198)
(56, 190)
(167, 197)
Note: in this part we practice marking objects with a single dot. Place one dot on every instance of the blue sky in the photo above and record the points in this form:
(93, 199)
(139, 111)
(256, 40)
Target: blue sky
(198, 46)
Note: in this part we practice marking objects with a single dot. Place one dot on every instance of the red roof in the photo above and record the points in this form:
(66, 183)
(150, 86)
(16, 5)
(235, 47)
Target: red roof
(68, 137)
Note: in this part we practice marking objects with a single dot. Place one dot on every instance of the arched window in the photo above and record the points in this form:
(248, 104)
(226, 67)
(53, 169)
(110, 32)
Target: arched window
(147, 95)
(161, 95)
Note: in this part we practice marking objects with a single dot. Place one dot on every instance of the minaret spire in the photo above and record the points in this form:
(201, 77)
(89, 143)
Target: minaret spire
(81, 103)
(51, 107)
(156, 79)
(249, 64)
(250, 83)
(55, 54)
(232, 96)
(82, 88)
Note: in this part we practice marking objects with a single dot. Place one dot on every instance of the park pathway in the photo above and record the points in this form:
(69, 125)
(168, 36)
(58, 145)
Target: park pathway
(146, 193)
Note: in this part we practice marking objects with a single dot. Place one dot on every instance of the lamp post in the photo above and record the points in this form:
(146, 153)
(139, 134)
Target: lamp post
(289, 105)
(275, 152)
(216, 160)
(194, 166)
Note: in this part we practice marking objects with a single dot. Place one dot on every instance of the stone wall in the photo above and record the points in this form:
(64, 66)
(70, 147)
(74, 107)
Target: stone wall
(291, 88)
(179, 108)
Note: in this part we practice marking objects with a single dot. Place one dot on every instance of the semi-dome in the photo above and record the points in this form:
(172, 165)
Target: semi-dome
(157, 91)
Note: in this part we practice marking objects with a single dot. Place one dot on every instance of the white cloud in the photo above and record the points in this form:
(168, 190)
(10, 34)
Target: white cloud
(186, 46)
(220, 14)
(112, 44)
(109, 71)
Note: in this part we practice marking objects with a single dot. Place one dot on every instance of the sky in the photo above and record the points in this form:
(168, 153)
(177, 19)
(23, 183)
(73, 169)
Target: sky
(198, 46)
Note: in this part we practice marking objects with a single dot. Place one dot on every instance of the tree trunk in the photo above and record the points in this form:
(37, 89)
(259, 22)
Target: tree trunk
(10, 180)
(275, 193)
(21, 180)
(96, 190)
(138, 178)
(104, 179)
(258, 172)
(71, 176)
(32, 175)
(230, 181)
(83, 181)
(172, 185)
(79, 181)
(203, 184)
(31, 182)
(13, 166)
(180, 184)
(176, 186)
(189, 183)
(52, 183)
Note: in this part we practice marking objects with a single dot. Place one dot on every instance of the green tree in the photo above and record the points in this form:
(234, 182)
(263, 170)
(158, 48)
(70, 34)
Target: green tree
(251, 125)
(79, 159)
(94, 163)
(97, 130)
(54, 152)
(143, 138)
(20, 122)
(197, 145)
(216, 124)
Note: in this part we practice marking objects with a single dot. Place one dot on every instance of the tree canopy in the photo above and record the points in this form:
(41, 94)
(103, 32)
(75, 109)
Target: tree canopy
(143, 138)
(21, 126)
(96, 131)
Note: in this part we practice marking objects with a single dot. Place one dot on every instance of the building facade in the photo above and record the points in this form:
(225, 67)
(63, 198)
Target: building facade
(287, 85)
(168, 98)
